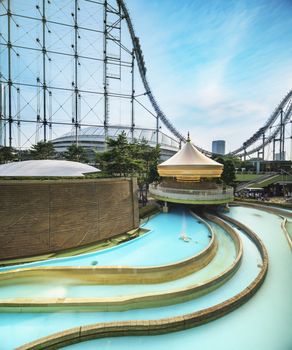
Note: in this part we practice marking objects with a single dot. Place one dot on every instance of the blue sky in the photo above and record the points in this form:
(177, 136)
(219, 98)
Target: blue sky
(218, 68)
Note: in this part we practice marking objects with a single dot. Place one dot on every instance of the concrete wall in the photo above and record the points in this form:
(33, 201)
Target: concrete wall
(38, 217)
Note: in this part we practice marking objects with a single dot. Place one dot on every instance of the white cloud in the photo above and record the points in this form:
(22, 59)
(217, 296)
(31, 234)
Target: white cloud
(192, 71)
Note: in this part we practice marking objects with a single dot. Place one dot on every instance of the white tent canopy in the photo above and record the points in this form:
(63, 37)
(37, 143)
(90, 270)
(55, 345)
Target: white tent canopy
(46, 168)
(189, 164)
(189, 155)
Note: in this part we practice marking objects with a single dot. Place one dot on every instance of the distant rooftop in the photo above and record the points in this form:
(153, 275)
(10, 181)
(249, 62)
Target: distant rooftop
(46, 168)
(96, 134)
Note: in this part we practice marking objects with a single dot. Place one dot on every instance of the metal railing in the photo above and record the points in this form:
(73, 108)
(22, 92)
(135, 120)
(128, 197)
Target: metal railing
(190, 194)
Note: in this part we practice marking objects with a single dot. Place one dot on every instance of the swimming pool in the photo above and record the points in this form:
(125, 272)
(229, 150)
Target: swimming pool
(41, 287)
(239, 324)
(262, 323)
(161, 245)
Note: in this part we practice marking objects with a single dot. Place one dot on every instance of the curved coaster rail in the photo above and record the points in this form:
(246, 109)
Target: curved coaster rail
(142, 71)
(261, 131)
(286, 101)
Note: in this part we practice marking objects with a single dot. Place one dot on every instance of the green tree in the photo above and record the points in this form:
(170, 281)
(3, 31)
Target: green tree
(42, 150)
(7, 154)
(76, 153)
(130, 159)
(153, 175)
(149, 157)
(228, 174)
(118, 159)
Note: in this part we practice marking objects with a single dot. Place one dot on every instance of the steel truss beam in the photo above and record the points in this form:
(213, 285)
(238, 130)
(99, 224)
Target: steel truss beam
(282, 113)
(43, 87)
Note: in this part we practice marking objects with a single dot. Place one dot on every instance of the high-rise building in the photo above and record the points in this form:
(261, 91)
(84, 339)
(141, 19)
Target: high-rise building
(218, 146)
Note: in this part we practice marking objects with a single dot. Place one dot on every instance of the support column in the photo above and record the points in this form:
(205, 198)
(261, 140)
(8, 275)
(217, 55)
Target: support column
(38, 120)
(9, 45)
(76, 93)
(258, 166)
(5, 116)
(44, 72)
(274, 146)
(157, 130)
(105, 79)
(132, 96)
(263, 151)
(283, 141)
(18, 120)
(165, 208)
(50, 116)
(281, 121)
(1, 114)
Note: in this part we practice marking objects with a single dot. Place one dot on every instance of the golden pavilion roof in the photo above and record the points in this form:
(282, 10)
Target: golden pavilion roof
(189, 164)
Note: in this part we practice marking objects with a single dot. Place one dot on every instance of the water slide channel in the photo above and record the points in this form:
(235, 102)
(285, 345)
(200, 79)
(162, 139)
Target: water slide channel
(31, 326)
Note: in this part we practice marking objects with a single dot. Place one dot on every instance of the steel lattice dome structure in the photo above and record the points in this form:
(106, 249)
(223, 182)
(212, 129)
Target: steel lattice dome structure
(93, 139)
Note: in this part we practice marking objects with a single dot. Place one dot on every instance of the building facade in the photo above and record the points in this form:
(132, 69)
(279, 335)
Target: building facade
(218, 147)
(93, 139)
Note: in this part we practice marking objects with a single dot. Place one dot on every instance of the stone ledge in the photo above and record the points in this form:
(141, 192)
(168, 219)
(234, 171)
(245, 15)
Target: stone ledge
(61, 181)
(123, 274)
(260, 206)
(228, 199)
(135, 301)
(284, 228)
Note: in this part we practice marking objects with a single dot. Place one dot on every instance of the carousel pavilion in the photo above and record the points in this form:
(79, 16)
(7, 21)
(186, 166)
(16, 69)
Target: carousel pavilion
(190, 177)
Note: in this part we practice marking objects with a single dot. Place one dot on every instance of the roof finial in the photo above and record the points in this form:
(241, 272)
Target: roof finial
(188, 139)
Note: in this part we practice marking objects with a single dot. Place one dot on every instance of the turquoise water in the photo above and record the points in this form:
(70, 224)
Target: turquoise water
(46, 288)
(160, 246)
(31, 326)
(263, 323)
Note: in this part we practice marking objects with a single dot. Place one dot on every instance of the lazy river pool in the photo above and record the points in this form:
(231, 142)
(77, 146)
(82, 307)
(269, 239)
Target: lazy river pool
(262, 323)
(160, 246)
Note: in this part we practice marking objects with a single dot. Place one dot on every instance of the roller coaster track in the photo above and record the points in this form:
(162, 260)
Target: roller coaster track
(241, 151)
(287, 101)
(142, 70)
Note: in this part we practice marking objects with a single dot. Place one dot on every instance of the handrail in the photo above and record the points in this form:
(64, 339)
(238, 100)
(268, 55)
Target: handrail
(228, 190)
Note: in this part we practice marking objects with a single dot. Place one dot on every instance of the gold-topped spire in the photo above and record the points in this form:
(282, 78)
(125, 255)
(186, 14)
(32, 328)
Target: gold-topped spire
(188, 139)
